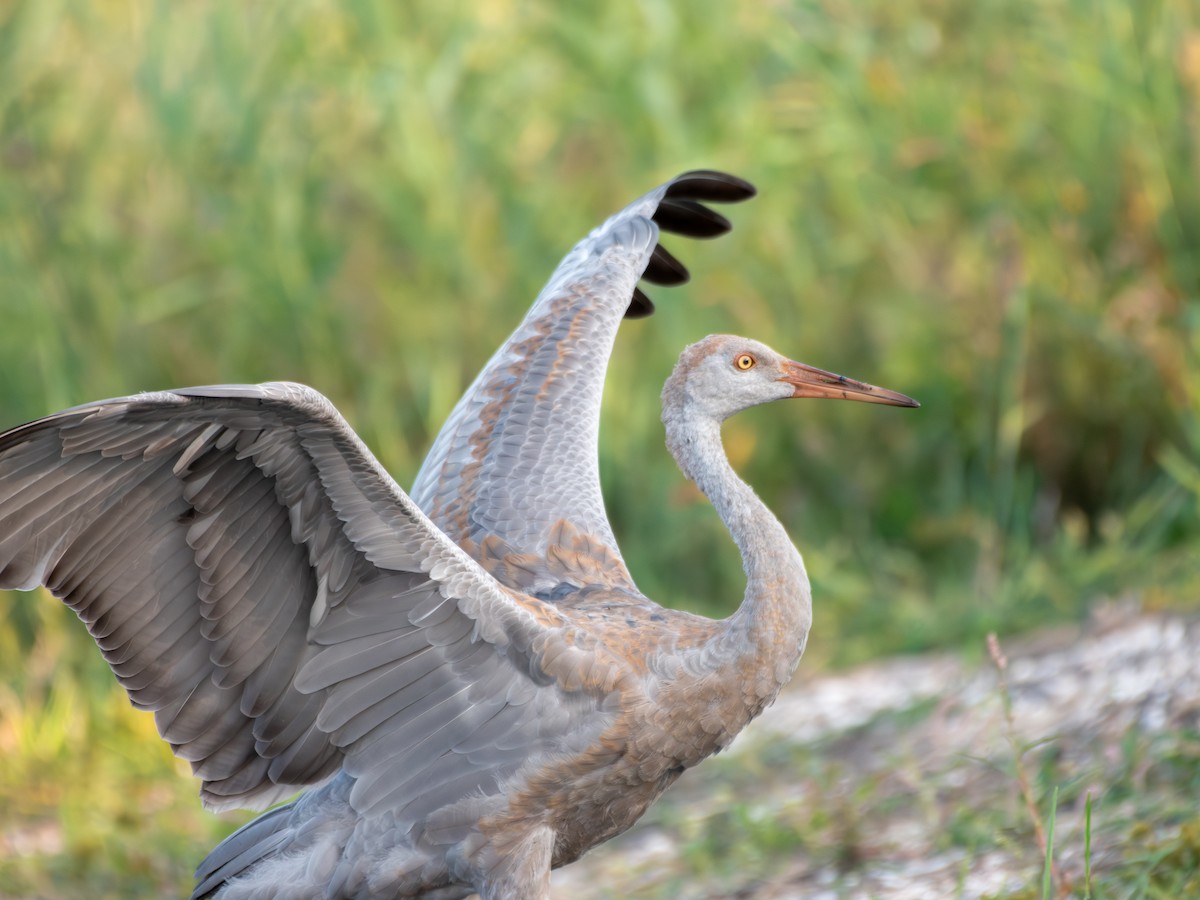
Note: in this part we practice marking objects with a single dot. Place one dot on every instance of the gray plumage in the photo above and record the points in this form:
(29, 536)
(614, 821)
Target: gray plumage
(473, 696)
(518, 453)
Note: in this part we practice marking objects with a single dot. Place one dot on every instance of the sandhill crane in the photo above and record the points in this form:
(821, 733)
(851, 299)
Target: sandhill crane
(477, 695)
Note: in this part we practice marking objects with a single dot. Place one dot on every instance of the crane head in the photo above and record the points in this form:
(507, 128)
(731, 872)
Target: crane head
(723, 374)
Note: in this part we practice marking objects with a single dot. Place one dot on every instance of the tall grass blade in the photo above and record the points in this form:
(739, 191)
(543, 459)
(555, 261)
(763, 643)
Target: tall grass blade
(1087, 847)
(1048, 871)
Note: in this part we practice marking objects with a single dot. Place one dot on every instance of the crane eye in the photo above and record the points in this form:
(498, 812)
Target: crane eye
(744, 361)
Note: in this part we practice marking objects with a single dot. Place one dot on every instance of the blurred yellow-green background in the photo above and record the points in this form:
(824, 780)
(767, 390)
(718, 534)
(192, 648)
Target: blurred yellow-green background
(992, 206)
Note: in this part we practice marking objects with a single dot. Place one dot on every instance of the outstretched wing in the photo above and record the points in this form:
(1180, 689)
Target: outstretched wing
(513, 476)
(255, 578)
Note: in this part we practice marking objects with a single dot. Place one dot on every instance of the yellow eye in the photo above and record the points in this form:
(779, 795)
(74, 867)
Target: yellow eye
(744, 361)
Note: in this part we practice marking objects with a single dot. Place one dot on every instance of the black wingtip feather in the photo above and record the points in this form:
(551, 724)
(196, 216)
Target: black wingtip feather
(680, 212)
(665, 269)
(640, 306)
(707, 184)
(691, 219)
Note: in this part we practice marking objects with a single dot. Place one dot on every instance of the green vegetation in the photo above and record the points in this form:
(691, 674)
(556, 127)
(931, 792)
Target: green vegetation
(992, 206)
(734, 830)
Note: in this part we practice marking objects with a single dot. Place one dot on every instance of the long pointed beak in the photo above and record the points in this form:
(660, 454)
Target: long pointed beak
(811, 382)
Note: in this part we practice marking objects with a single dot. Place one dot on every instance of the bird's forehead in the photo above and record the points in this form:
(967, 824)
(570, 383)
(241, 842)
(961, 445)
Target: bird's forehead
(721, 344)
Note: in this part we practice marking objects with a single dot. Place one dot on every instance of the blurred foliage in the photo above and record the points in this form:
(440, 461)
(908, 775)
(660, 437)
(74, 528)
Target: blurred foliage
(991, 206)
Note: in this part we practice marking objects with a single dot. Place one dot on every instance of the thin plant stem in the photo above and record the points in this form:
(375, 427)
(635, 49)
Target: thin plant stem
(1023, 781)
(1087, 847)
(1048, 870)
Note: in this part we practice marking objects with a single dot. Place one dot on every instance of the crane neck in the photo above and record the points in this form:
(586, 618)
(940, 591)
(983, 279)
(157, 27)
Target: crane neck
(769, 629)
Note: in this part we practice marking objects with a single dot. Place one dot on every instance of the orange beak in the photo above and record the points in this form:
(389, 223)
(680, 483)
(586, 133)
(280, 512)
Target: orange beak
(810, 382)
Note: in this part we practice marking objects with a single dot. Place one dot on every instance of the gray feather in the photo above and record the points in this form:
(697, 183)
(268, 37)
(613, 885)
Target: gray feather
(194, 530)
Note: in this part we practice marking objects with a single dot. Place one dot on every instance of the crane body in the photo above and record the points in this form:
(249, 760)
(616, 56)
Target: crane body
(465, 678)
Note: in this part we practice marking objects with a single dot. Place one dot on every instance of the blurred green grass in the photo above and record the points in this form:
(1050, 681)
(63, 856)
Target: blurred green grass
(993, 207)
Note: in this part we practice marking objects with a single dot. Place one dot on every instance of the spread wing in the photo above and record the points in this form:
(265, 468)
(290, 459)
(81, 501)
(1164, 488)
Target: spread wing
(255, 578)
(513, 475)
